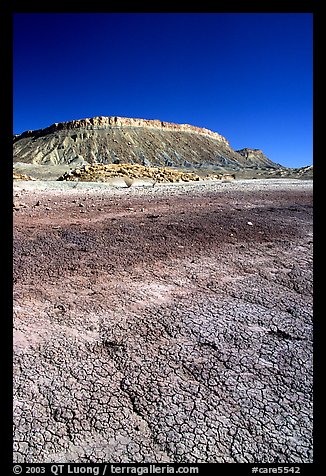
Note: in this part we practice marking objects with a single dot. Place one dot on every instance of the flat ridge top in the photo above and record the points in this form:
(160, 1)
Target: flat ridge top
(116, 121)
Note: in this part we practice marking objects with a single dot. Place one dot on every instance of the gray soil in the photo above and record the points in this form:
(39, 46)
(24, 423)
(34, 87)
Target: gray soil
(165, 324)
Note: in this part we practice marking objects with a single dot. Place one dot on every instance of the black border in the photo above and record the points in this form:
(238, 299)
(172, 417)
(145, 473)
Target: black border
(6, 131)
(6, 263)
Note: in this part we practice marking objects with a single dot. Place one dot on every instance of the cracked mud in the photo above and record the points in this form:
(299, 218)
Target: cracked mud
(172, 324)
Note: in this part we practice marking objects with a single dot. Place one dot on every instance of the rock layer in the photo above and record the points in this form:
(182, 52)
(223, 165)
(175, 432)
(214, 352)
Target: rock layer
(105, 122)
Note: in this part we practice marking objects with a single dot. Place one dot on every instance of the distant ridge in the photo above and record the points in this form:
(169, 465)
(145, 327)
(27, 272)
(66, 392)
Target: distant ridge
(252, 156)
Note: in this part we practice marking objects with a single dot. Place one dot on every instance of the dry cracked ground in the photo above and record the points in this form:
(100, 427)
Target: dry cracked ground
(171, 324)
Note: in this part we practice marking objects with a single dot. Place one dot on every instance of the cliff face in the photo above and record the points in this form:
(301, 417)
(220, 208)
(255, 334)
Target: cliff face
(109, 122)
(126, 140)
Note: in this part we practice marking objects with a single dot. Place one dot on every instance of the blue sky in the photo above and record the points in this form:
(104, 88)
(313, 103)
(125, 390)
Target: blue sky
(247, 76)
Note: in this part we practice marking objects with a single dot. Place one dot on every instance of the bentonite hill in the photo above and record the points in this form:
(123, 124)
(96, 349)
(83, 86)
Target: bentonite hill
(117, 139)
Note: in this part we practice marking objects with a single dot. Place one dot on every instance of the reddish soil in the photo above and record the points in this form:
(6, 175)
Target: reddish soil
(163, 327)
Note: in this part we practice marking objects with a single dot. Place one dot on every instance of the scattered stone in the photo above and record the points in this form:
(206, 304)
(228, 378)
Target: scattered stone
(19, 205)
(61, 307)
(128, 181)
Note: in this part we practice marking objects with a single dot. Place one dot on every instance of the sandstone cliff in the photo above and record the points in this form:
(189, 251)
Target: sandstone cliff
(109, 122)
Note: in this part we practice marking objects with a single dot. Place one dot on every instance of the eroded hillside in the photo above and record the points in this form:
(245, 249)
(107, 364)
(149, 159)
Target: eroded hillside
(124, 140)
